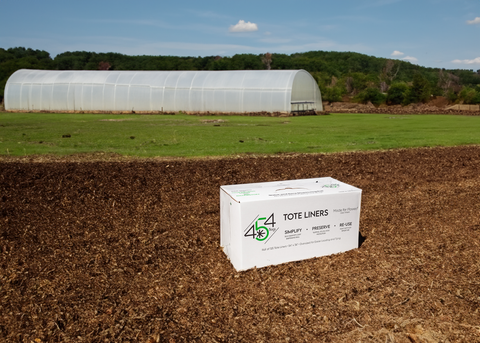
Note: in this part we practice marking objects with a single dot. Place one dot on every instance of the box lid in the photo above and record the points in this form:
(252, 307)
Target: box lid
(287, 189)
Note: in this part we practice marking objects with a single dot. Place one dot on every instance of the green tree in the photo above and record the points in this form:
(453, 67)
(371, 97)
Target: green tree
(420, 91)
(371, 94)
(451, 96)
(397, 93)
(358, 82)
(332, 93)
(469, 96)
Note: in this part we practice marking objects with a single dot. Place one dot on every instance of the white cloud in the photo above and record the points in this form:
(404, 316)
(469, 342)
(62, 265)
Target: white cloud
(397, 53)
(474, 21)
(474, 61)
(410, 59)
(243, 26)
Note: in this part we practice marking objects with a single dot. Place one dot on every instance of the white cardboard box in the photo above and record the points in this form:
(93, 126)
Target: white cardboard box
(269, 223)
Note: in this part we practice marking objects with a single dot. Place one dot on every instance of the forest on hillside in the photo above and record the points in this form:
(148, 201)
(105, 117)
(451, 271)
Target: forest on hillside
(359, 77)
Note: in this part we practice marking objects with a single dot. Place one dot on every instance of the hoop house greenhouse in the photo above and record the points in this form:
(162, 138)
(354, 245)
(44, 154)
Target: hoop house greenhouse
(242, 91)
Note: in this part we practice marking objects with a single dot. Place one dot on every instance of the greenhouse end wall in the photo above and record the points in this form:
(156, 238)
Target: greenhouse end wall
(243, 91)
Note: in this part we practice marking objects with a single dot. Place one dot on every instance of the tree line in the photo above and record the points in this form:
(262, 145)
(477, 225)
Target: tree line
(357, 76)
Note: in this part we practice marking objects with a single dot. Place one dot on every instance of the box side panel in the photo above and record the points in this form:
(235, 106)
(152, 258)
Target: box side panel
(357, 217)
(235, 235)
(229, 228)
(347, 219)
(224, 222)
(285, 230)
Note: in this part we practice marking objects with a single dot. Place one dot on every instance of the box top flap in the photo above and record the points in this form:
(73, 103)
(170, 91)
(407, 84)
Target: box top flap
(287, 189)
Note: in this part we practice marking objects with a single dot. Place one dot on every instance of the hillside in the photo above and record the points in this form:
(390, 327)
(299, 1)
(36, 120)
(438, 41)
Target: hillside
(361, 77)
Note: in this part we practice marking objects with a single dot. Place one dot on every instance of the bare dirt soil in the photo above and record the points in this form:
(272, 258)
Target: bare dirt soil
(129, 252)
(438, 105)
(397, 109)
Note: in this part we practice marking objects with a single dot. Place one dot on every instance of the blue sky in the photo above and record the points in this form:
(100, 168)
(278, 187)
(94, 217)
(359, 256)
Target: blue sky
(431, 33)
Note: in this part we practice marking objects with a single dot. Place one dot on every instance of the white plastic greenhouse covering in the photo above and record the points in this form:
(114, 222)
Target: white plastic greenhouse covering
(163, 91)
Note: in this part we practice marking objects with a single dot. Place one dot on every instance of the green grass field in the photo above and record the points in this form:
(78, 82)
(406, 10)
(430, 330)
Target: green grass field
(188, 136)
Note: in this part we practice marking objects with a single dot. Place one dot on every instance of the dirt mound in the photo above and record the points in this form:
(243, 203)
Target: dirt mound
(439, 101)
(438, 105)
(129, 251)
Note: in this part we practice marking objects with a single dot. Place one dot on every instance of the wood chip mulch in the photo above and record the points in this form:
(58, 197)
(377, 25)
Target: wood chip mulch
(129, 252)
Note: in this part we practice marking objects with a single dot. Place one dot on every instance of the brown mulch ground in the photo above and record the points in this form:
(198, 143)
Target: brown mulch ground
(129, 251)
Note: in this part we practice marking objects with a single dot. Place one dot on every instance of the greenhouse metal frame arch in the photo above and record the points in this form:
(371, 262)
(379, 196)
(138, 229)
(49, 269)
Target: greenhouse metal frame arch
(238, 91)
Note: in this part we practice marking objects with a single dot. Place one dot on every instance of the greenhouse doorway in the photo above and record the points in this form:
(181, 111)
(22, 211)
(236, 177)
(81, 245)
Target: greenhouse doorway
(303, 108)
